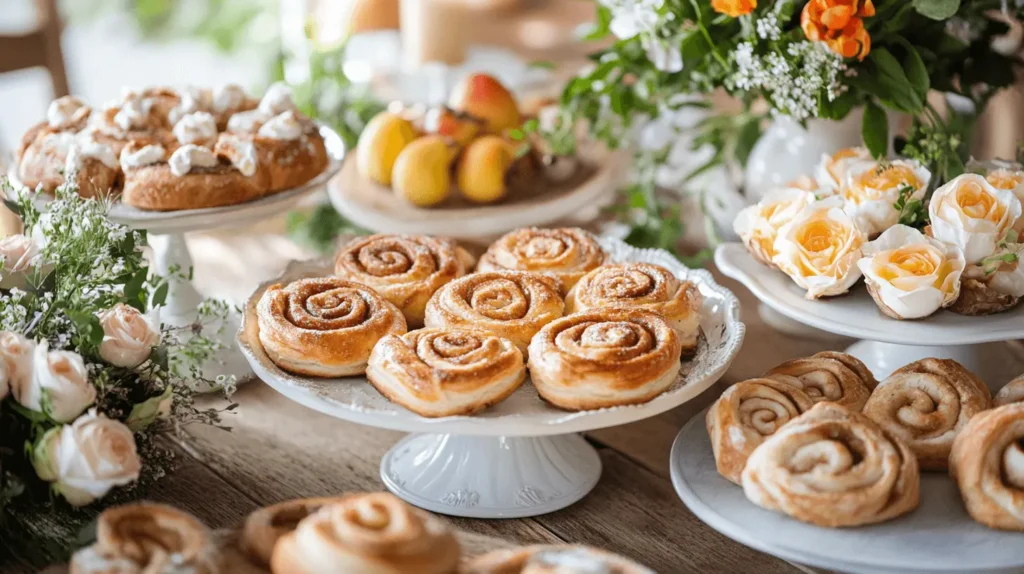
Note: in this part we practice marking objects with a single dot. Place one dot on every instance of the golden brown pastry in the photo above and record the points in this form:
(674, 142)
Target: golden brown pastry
(604, 358)
(553, 559)
(440, 373)
(324, 327)
(566, 253)
(926, 404)
(987, 462)
(367, 534)
(642, 285)
(1013, 392)
(744, 415)
(287, 145)
(406, 269)
(510, 304)
(148, 537)
(828, 376)
(833, 467)
(263, 528)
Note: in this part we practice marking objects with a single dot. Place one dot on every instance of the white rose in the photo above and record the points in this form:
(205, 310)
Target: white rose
(973, 215)
(758, 225)
(87, 458)
(15, 362)
(911, 275)
(820, 248)
(59, 385)
(128, 336)
(871, 192)
(1006, 175)
(831, 170)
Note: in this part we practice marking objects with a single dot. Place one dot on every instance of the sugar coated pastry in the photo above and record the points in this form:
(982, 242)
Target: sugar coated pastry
(987, 462)
(263, 528)
(565, 253)
(828, 376)
(1013, 392)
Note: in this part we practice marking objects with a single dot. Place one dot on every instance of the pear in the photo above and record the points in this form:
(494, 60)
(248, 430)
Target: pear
(484, 97)
(382, 140)
(422, 174)
(482, 168)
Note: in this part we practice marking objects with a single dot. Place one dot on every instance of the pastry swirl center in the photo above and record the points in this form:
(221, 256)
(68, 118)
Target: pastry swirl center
(457, 349)
(500, 299)
(606, 341)
(375, 525)
(332, 309)
(767, 412)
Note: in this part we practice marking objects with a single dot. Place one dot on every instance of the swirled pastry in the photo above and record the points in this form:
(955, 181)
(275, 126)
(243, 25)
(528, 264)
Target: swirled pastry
(147, 537)
(646, 286)
(287, 146)
(828, 376)
(439, 373)
(987, 462)
(926, 404)
(263, 528)
(565, 253)
(510, 304)
(744, 415)
(604, 358)
(367, 534)
(406, 269)
(553, 559)
(833, 467)
(1013, 392)
(324, 327)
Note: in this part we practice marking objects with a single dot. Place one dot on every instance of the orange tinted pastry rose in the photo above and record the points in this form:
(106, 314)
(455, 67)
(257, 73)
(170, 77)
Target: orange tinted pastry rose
(840, 24)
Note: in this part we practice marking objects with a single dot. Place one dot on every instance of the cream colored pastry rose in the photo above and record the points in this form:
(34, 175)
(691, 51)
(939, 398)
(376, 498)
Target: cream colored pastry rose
(58, 387)
(758, 225)
(911, 275)
(128, 336)
(871, 191)
(831, 170)
(1005, 175)
(820, 248)
(973, 215)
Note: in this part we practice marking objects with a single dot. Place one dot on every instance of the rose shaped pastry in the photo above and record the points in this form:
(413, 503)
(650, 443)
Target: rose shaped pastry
(566, 253)
(367, 534)
(1002, 175)
(997, 283)
(820, 248)
(831, 170)
(1013, 392)
(263, 528)
(911, 275)
(758, 225)
(973, 215)
(871, 191)
(987, 462)
(553, 560)
(828, 376)
(324, 327)
(926, 404)
(744, 415)
(833, 467)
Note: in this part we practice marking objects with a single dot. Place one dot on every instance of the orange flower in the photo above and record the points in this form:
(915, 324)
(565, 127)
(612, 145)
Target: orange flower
(840, 24)
(734, 8)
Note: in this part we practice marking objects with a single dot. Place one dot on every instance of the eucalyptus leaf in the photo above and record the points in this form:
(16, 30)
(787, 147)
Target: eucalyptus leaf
(937, 9)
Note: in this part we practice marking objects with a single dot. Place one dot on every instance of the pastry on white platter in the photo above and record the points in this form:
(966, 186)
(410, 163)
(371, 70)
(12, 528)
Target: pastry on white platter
(565, 253)
(1012, 392)
(987, 463)
(996, 284)
(264, 527)
(828, 376)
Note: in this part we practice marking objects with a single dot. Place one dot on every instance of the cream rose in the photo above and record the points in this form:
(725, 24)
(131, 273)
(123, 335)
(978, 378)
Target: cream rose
(87, 458)
(1010, 177)
(59, 385)
(19, 253)
(831, 170)
(15, 362)
(128, 336)
(819, 249)
(758, 225)
(973, 215)
(911, 275)
(871, 191)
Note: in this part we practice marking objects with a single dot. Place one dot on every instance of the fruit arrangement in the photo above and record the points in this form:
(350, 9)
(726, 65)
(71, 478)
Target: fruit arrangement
(475, 147)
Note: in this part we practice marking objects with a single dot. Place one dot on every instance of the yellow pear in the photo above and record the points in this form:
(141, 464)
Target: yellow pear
(482, 169)
(382, 140)
(422, 174)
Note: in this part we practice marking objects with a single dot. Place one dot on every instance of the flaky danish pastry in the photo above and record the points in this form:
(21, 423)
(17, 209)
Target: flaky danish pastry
(833, 467)
(440, 373)
(324, 327)
(603, 358)
(406, 269)
(553, 559)
(367, 534)
(288, 146)
(263, 528)
(1012, 392)
(744, 415)
(565, 253)
(148, 537)
(987, 462)
(828, 376)
(510, 304)
(926, 404)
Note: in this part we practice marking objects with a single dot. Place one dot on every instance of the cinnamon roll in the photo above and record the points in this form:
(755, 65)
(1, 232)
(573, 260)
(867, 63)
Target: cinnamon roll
(646, 286)
(744, 415)
(263, 528)
(406, 269)
(288, 146)
(604, 358)
(566, 254)
(439, 373)
(367, 534)
(833, 467)
(510, 304)
(1013, 392)
(828, 376)
(987, 462)
(926, 404)
(148, 537)
(324, 327)
(553, 559)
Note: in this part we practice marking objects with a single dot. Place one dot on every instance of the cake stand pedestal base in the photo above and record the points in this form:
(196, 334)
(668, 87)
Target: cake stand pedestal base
(994, 363)
(491, 477)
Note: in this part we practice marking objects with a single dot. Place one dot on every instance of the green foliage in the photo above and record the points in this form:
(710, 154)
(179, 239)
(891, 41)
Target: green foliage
(937, 9)
(319, 228)
(913, 211)
(875, 130)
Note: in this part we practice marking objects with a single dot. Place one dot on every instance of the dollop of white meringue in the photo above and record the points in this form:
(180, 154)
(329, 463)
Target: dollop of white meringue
(148, 155)
(62, 110)
(191, 99)
(133, 112)
(196, 128)
(244, 158)
(228, 97)
(277, 99)
(246, 122)
(58, 144)
(190, 156)
(285, 126)
(86, 147)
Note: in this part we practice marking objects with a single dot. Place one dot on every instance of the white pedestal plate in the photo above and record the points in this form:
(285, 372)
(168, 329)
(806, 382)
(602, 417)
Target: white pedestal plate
(521, 457)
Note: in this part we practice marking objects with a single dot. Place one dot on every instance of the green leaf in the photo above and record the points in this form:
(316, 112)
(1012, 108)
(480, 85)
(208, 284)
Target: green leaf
(747, 136)
(937, 9)
(899, 20)
(601, 27)
(88, 325)
(133, 289)
(916, 72)
(542, 65)
(893, 87)
(875, 130)
(159, 296)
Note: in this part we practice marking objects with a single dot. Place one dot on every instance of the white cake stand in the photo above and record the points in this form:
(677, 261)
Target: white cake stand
(521, 457)
(978, 343)
(937, 537)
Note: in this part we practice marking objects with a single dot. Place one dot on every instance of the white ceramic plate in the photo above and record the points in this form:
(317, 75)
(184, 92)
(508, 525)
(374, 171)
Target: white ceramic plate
(937, 537)
(523, 413)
